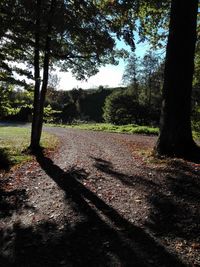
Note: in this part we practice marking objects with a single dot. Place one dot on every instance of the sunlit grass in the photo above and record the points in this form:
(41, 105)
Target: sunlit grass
(107, 127)
(14, 140)
(130, 128)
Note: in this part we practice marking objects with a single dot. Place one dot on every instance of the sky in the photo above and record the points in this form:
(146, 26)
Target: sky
(108, 76)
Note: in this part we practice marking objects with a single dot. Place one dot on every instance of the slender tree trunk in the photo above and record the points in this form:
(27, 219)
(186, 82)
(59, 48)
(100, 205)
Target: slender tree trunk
(34, 134)
(150, 89)
(39, 96)
(44, 84)
(46, 66)
(175, 127)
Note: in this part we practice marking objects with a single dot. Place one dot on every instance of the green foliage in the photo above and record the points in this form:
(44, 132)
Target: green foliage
(108, 127)
(120, 108)
(91, 104)
(132, 70)
(50, 114)
(69, 113)
(5, 93)
(123, 107)
(145, 78)
(15, 104)
(153, 17)
(80, 38)
(78, 104)
(147, 18)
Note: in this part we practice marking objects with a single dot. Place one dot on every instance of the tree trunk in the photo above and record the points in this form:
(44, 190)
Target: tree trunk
(35, 140)
(175, 126)
(46, 67)
(39, 96)
(44, 84)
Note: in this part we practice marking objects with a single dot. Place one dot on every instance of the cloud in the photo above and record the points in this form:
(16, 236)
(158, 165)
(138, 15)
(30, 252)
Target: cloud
(107, 76)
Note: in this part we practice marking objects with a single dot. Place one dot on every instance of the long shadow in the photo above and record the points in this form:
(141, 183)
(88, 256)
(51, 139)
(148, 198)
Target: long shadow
(100, 237)
(173, 195)
(131, 245)
(178, 211)
(129, 180)
(12, 201)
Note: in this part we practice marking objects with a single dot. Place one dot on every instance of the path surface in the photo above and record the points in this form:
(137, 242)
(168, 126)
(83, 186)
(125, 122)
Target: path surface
(98, 201)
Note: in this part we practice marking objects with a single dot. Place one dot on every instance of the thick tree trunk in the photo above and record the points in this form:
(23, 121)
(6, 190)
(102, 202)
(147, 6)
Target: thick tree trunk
(35, 140)
(175, 127)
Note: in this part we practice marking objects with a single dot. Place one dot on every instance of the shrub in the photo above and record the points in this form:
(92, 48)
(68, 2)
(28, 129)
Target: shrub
(121, 108)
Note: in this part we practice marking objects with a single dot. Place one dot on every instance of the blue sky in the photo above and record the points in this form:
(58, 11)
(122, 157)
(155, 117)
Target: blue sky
(109, 75)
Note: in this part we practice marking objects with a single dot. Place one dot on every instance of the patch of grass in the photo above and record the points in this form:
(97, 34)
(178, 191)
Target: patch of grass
(14, 140)
(107, 127)
(196, 135)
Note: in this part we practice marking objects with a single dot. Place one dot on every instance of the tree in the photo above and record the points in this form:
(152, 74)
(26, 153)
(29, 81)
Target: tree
(175, 137)
(74, 33)
(145, 80)
(149, 66)
(131, 74)
(5, 92)
(121, 107)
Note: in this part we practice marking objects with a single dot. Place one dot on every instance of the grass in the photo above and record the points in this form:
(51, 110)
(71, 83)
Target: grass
(196, 135)
(107, 127)
(13, 140)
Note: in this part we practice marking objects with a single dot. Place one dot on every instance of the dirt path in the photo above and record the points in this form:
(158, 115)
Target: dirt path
(99, 201)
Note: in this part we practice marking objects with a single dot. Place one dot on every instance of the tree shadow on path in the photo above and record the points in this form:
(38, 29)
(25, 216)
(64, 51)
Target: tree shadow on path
(101, 236)
(173, 194)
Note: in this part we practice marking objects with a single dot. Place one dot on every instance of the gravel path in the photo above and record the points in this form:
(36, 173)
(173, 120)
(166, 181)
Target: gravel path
(100, 200)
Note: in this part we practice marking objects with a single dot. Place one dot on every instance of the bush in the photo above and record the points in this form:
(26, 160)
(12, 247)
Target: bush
(22, 114)
(50, 115)
(121, 108)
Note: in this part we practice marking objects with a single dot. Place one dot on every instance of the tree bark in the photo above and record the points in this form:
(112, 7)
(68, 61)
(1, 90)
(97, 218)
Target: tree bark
(175, 137)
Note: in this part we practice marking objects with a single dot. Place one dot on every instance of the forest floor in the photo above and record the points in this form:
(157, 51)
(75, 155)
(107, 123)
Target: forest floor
(100, 200)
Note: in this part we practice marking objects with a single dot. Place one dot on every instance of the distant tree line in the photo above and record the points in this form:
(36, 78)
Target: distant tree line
(60, 106)
(138, 102)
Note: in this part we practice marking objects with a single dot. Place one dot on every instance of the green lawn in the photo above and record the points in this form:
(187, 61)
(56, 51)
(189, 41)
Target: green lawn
(13, 140)
(107, 127)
